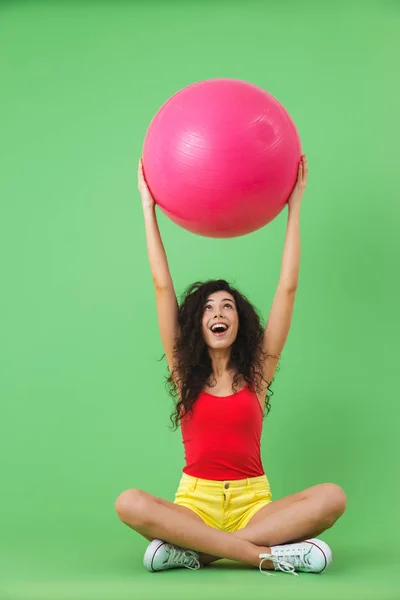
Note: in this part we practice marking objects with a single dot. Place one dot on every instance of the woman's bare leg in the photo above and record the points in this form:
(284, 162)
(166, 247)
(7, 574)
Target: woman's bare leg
(293, 518)
(156, 518)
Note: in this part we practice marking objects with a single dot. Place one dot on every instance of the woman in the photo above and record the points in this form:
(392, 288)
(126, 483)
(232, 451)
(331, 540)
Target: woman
(221, 364)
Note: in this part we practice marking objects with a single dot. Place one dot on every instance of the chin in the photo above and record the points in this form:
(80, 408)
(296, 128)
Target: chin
(216, 346)
(219, 344)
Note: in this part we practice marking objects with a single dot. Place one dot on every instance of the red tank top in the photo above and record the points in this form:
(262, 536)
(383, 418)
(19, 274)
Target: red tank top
(222, 436)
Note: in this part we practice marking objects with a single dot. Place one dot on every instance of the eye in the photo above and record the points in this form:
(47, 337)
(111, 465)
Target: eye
(207, 306)
(227, 305)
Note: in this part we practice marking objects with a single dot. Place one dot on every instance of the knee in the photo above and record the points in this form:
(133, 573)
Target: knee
(132, 507)
(333, 502)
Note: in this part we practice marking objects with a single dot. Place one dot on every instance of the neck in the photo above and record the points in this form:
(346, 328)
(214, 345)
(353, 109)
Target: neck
(220, 360)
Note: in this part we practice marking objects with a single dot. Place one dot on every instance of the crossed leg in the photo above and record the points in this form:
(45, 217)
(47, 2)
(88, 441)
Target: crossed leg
(293, 518)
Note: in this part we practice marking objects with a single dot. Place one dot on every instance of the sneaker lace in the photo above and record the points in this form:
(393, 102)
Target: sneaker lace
(287, 559)
(186, 558)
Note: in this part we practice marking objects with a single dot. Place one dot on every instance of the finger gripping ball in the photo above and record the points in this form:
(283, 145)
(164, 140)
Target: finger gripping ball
(221, 157)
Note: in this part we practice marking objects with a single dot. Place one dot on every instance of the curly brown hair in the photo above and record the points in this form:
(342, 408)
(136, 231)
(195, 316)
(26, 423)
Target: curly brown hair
(193, 366)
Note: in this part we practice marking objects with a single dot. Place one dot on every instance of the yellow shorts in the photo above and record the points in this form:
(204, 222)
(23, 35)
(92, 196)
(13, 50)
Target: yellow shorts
(225, 505)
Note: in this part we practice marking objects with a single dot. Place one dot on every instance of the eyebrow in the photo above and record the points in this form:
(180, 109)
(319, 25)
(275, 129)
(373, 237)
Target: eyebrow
(223, 300)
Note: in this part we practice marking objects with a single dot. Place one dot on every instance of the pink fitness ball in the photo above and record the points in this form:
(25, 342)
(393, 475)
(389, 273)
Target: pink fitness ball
(221, 157)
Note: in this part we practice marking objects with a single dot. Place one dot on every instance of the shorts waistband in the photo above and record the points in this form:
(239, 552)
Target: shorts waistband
(223, 484)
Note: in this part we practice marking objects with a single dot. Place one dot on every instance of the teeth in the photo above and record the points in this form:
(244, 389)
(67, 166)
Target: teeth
(219, 326)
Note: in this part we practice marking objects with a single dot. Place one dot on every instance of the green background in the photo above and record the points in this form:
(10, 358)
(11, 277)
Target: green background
(84, 412)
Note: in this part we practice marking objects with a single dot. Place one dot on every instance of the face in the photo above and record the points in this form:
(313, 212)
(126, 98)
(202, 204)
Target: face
(220, 322)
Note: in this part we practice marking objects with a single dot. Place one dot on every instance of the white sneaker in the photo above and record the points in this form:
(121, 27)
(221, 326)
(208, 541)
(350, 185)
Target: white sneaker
(160, 556)
(310, 556)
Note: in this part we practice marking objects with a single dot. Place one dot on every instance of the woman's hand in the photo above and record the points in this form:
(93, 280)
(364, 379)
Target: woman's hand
(147, 199)
(298, 190)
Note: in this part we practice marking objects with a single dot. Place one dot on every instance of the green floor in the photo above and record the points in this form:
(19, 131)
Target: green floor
(83, 409)
(115, 573)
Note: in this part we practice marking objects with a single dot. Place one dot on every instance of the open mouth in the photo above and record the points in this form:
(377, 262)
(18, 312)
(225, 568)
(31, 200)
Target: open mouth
(219, 329)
